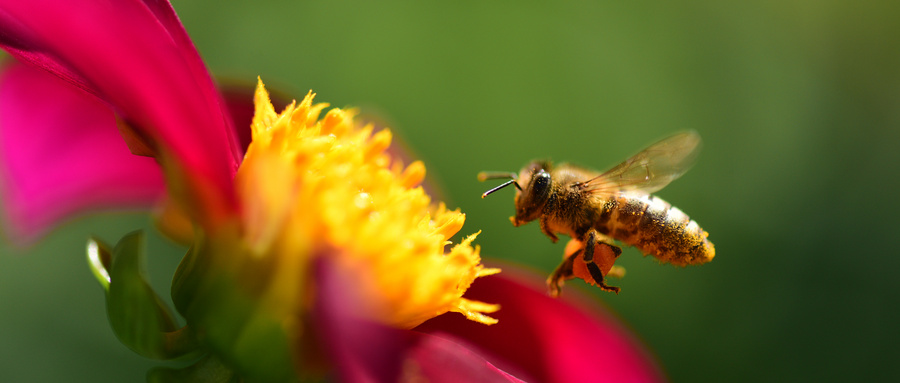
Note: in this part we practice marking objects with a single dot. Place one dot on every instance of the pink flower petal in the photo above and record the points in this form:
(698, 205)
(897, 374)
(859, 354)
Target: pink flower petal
(363, 351)
(439, 359)
(136, 56)
(60, 153)
(551, 340)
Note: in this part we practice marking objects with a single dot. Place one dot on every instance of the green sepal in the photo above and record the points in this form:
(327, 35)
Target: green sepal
(222, 294)
(206, 370)
(99, 260)
(138, 317)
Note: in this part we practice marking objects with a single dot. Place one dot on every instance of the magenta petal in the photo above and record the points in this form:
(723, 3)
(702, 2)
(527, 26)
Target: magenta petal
(136, 56)
(363, 351)
(552, 340)
(60, 153)
(442, 360)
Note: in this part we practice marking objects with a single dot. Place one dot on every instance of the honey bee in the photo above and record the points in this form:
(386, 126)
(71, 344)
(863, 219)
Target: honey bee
(596, 208)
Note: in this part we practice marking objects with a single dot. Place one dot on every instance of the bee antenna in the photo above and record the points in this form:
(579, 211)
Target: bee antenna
(484, 176)
(503, 185)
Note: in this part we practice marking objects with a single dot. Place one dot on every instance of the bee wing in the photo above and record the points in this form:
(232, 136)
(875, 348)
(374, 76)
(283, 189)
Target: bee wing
(651, 169)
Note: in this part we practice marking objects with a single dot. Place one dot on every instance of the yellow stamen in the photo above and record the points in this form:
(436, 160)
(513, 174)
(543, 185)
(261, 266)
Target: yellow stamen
(309, 185)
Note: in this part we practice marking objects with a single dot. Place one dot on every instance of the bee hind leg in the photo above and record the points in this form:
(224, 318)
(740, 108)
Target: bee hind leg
(592, 267)
(596, 256)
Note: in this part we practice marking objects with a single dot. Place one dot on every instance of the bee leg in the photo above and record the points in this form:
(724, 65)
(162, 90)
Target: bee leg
(592, 267)
(545, 227)
(563, 272)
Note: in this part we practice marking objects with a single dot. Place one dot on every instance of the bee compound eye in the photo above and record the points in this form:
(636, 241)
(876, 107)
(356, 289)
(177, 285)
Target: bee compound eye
(541, 183)
(542, 178)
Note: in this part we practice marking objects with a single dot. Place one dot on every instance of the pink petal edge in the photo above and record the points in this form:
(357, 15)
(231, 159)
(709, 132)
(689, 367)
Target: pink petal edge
(363, 351)
(552, 340)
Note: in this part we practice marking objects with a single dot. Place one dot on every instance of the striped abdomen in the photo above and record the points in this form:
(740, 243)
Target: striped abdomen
(656, 228)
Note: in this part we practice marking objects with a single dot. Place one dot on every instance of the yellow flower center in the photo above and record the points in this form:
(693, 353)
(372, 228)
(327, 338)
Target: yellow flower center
(326, 187)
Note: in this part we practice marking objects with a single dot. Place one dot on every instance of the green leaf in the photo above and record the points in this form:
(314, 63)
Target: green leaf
(206, 370)
(138, 317)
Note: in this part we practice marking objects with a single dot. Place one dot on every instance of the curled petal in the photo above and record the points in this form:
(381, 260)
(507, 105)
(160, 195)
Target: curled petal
(549, 339)
(63, 157)
(136, 56)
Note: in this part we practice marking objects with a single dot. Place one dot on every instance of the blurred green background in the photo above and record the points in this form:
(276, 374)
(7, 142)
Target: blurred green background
(798, 103)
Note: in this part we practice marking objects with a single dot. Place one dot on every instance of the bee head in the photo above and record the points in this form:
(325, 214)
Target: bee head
(530, 201)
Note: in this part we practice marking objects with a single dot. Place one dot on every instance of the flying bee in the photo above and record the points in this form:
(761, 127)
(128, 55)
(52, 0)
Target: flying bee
(596, 208)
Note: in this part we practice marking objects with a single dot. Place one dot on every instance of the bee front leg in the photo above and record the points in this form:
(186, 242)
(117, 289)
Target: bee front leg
(545, 227)
(592, 240)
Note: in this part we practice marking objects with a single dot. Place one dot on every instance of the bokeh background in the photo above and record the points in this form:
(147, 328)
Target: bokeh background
(798, 103)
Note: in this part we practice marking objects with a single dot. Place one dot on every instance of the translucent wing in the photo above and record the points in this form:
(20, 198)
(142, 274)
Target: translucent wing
(651, 169)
